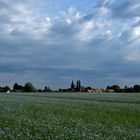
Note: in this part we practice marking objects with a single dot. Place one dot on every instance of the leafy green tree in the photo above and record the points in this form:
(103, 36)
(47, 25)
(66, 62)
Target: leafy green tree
(1, 89)
(108, 87)
(4, 89)
(47, 89)
(116, 88)
(39, 90)
(136, 88)
(29, 87)
(87, 88)
(17, 87)
(129, 90)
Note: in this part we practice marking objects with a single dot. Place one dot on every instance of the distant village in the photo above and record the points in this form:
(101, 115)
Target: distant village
(74, 87)
(77, 87)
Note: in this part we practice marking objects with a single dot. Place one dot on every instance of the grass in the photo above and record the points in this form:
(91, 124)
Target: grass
(69, 116)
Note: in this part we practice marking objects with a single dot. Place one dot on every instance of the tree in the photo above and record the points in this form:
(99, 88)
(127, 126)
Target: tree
(29, 87)
(47, 89)
(136, 88)
(108, 87)
(4, 89)
(116, 88)
(87, 88)
(17, 87)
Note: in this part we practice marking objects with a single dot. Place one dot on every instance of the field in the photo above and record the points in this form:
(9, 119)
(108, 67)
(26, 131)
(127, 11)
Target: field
(69, 116)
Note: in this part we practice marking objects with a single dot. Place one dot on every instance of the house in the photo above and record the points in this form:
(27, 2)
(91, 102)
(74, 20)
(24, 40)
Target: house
(8, 91)
(94, 90)
(110, 90)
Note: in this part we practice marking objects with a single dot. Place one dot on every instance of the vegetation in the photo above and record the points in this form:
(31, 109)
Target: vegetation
(47, 89)
(116, 88)
(18, 87)
(28, 87)
(4, 89)
(69, 116)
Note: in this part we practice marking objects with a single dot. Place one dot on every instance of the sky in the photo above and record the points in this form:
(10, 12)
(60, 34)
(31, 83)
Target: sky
(52, 42)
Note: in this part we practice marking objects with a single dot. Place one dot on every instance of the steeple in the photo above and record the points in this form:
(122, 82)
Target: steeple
(72, 85)
(78, 85)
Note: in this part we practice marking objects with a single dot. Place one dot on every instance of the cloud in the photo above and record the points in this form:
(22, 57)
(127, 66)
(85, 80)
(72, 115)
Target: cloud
(71, 15)
(107, 2)
(128, 9)
(132, 34)
(92, 46)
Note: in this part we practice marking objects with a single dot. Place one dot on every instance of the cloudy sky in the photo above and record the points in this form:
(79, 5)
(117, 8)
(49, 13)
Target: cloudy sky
(51, 42)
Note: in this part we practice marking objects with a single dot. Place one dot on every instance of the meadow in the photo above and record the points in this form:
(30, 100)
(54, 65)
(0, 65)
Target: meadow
(69, 116)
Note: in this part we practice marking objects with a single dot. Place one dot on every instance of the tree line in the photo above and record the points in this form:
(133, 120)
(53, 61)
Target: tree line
(126, 89)
(74, 87)
(28, 87)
